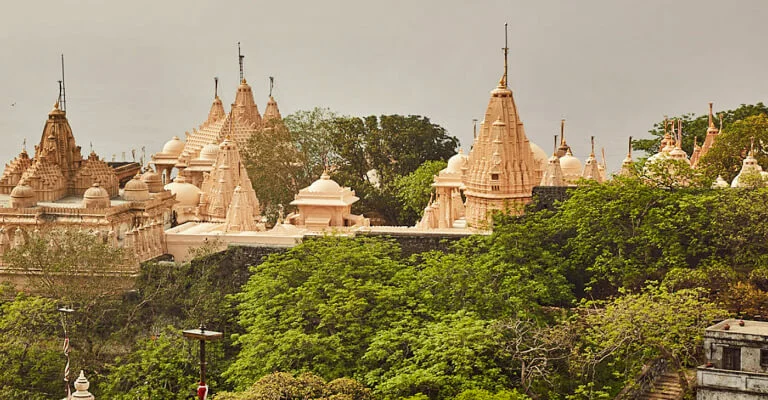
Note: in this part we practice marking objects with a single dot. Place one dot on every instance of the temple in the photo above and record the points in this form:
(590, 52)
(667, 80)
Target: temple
(60, 188)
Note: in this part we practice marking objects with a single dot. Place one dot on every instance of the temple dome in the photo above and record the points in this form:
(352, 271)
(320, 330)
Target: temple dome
(187, 194)
(570, 165)
(174, 146)
(324, 185)
(456, 162)
(153, 181)
(209, 152)
(539, 155)
(720, 183)
(136, 190)
(96, 197)
(23, 192)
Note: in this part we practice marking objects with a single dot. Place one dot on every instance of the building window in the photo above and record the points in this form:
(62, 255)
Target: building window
(494, 177)
(764, 357)
(732, 358)
(495, 188)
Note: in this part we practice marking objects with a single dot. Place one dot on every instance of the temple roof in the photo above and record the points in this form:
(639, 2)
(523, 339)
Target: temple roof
(325, 192)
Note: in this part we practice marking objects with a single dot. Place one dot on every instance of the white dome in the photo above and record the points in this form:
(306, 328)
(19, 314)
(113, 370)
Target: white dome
(187, 194)
(455, 163)
(539, 156)
(324, 185)
(570, 165)
(209, 152)
(174, 146)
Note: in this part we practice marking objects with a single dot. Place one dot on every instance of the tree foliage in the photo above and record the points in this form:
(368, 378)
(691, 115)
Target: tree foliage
(413, 190)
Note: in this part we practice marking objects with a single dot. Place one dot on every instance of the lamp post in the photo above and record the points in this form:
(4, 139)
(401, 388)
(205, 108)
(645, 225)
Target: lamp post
(202, 335)
(64, 311)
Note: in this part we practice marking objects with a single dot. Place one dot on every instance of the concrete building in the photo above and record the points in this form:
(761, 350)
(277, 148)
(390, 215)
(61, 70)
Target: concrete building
(737, 368)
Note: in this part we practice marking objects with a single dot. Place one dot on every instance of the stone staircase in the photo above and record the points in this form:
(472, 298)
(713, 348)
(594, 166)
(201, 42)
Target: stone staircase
(666, 387)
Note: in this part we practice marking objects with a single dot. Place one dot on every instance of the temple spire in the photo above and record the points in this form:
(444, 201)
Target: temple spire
(503, 82)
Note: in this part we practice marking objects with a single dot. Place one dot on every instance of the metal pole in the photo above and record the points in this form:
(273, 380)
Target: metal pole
(202, 361)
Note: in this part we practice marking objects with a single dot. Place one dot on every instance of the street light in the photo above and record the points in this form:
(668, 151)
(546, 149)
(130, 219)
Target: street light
(203, 336)
(64, 311)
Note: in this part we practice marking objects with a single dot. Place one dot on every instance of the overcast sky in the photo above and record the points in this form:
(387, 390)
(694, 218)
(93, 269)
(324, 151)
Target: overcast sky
(139, 72)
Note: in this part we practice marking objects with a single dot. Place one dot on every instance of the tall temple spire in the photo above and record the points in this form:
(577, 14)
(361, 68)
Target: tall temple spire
(503, 82)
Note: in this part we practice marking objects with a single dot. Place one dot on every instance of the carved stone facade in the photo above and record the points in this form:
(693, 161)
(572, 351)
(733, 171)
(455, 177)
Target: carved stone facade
(58, 188)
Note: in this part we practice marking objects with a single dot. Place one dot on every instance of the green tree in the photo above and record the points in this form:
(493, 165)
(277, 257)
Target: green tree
(413, 190)
(30, 351)
(162, 367)
(306, 386)
(316, 308)
(311, 132)
(636, 328)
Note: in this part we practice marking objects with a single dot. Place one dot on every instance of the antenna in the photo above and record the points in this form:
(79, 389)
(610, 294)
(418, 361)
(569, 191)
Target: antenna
(474, 127)
(271, 85)
(215, 87)
(63, 93)
(506, 52)
(240, 58)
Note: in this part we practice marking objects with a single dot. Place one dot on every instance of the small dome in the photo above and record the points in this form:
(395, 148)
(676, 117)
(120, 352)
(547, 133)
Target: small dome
(153, 181)
(570, 165)
(456, 162)
(23, 192)
(174, 146)
(187, 194)
(136, 190)
(539, 156)
(96, 197)
(324, 185)
(209, 152)
(96, 192)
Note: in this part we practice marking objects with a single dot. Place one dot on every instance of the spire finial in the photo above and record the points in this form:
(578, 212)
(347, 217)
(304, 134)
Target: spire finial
(271, 85)
(215, 87)
(629, 152)
(63, 88)
(554, 149)
(562, 131)
(602, 155)
(24, 145)
(720, 117)
(592, 139)
(711, 122)
(474, 128)
(240, 58)
(666, 125)
(752, 146)
(679, 133)
(503, 82)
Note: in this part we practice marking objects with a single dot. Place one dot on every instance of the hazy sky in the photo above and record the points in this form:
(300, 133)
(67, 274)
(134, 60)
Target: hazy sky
(139, 72)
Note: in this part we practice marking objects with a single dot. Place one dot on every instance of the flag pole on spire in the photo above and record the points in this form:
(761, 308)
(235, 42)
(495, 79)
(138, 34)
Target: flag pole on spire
(503, 82)
(240, 58)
